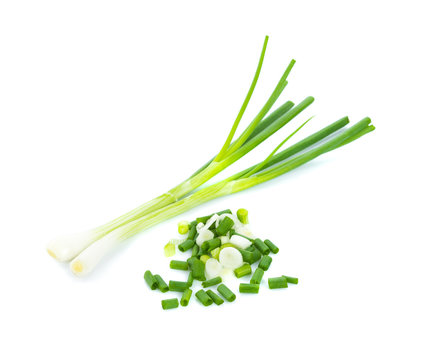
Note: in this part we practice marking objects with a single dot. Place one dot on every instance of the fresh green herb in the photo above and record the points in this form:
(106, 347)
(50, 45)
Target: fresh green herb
(162, 285)
(183, 227)
(244, 270)
(188, 244)
(257, 276)
(211, 244)
(273, 248)
(217, 299)
(170, 304)
(277, 282)
(179, 265)
(169, 249)
(150, 280)
(224, 226)
(265, 262)
(259, 244)
(226, 292)
(212, 282)
(178, 286)
(203, 298)
(242, 215)
(184, 301)
(249, 288)
(291, 280)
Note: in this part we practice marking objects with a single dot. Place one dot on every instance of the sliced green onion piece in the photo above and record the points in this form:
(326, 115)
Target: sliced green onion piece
(273, 248)
(247, 256)
(259, 244)
(242, 215)
(215, 253)
(225, 225)
(169, 249)
(183, 227)
(179, 286)
(170, 304)
(204, 219)
(188, 244)
(198, 269)
(256, 255)
(162, 285)
(243, 271)
(265, 262)
(204, 298)
(212, 268)
(226, 292)
(150, 280)
(240, 242)
(249, 288)
(184, 301)
(195, 250)
(291, 280)
(230, 258)
(179, 265)
(204, 258)
(217, 299)
(211, 244)
(277, 282)
(190, 279)
(192, 230)
(212, 282)
(257, 276)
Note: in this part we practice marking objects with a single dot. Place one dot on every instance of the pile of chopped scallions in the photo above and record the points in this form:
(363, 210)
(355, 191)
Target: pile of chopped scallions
(85, 250)
(218, 243)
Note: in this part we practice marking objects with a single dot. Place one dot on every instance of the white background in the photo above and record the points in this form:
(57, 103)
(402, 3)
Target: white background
(105, 104)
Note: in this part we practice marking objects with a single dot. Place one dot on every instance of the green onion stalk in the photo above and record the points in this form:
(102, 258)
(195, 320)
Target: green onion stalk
(276, 165)
(68, 247)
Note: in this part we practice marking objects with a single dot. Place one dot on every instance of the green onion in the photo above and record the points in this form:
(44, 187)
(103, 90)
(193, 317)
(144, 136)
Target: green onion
(195, 250)
(169, 249)
(179, 265)
(204, 219)
(170, 304)
(198, 269)
(224, 226)
(261, 247)
(242, 215)
(215, 253)
(192, 231)
(183, 227)
(257, 276)
(204, 258)
(277, 282)
(273, 248)
(184, 301)
(89, 248)
(217, 299)
(291, 280)
(249, 288)
(188, 244)
(162, 285)
(204, 298)
(265, 262)
(212, 282)
(256, 255)
(179, 286)
(226, 292)
(190, 279)
(150, 280)
(211, 244)
(247, 256)
(244, 270)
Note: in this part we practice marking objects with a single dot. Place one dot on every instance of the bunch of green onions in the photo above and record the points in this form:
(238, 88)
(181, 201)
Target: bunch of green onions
(86, 250)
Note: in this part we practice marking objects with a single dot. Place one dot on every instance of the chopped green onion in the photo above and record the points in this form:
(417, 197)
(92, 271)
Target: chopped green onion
(190, 279)
(179, 265)
(195, 250)
(257, 276)
(256, 255)
(212, 282)
(213, 268)
(188, 244)
(150, 280)
(170, 304)
(192, 230)
(243, 271)
(183, 227)
(204, 219)
(162, 285)
(265, 262)
(211, 244)
(277, 282)
(217, 299)
(273, 248)
(226, 292)
(215, 253)
(291, 280)
(247, 256)
(242, 215)
(198, 269)
(225, 225)
(240, 242)
(184, 301)
(259, 244)
(230, 258)
(169, 249)
(251, 248)
(204, 258)
(204, 298)
(249, 288)
(179, 286)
